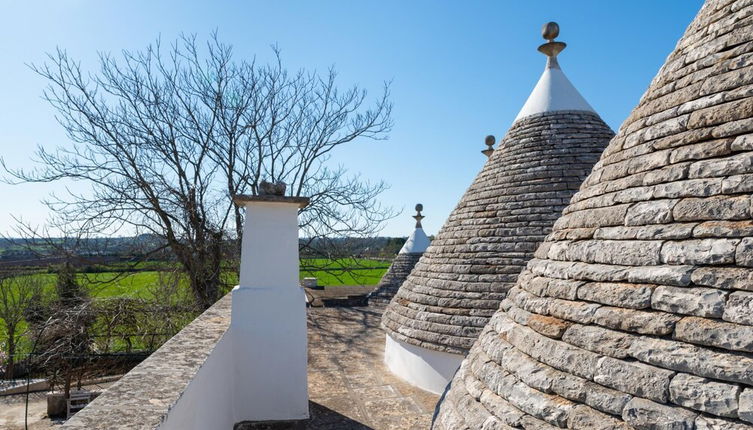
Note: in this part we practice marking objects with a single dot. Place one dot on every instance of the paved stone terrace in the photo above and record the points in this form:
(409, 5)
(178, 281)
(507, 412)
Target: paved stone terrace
(349, 385)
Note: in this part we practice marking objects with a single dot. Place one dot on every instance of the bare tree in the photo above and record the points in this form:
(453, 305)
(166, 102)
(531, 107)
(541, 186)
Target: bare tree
(164, 138)
(63, 343)
(17, 292)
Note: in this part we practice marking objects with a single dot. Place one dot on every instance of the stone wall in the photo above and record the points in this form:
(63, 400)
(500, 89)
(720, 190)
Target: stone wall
(508, 210)
(637, 311)
(143, 398)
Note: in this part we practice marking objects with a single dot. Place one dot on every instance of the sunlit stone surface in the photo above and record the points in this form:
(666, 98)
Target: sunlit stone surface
(506, 212)
(636, 311)
(401, 266)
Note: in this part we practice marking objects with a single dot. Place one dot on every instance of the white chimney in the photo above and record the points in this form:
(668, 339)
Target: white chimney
(268, 323)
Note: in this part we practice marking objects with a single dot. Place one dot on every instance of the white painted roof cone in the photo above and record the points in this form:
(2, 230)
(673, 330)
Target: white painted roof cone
(553, 92)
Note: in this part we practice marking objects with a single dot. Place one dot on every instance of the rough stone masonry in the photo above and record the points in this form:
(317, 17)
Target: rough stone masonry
(475, 258)
(637, 310)
(398, 271)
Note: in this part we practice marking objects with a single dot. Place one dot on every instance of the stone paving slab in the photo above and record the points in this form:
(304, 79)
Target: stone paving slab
(349, 385)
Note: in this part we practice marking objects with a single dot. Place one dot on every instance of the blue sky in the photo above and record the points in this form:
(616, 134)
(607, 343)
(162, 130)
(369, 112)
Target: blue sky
(459, 70)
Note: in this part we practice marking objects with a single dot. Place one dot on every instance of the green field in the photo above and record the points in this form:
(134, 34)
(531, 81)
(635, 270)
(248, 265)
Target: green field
(344, 272)
(141, 283)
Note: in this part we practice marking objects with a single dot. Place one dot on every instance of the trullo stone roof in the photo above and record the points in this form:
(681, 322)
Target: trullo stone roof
(493, 231)
(637, 311)
(403, 262)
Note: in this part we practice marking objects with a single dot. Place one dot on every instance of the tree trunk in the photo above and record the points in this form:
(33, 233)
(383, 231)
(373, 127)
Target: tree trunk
(11, 366)
(67, 387)
(205, 286)
(238, 227)
(203, 266)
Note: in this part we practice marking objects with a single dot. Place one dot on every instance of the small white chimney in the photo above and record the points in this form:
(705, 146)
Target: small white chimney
(268, 323)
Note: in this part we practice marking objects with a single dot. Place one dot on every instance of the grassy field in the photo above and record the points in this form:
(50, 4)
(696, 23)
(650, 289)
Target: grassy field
(344, 272)
(141, 283)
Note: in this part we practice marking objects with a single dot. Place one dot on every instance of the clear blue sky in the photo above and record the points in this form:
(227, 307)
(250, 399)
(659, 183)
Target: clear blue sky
(460, 70)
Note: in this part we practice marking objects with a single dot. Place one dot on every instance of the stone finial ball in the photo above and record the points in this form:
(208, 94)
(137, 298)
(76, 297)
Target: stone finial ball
(267, 188)
(550, 30)
(489, 140)
(419, 207)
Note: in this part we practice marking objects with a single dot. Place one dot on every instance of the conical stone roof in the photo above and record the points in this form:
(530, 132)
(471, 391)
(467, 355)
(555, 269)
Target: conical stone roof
(403, 262)
(637, 311)
(506, 212)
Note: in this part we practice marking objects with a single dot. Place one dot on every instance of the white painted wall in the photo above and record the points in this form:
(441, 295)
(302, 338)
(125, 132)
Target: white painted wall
(268, 324)
(257, 371)
(424, 368)
(417, 242)
(269, 252)
(553, 92)
(270, 352)
(207, 401)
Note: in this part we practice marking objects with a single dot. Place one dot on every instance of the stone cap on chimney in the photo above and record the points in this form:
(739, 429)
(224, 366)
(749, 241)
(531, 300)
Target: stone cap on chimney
(245, 199)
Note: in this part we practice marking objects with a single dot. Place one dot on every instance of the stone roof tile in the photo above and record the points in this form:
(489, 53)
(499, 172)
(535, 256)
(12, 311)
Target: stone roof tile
(495, 229)
(653, 326)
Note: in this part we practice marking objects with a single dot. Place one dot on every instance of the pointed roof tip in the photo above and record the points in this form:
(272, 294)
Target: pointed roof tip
(418, 241)
(551, 49)
(553, 91)
(418, 217)
(489, 141)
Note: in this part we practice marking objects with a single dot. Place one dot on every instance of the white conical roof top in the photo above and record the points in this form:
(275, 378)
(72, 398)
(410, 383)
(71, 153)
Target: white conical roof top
(416, 243)
(553, 92)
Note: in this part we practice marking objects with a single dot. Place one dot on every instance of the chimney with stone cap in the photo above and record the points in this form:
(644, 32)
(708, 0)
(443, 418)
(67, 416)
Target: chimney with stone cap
(268, 323)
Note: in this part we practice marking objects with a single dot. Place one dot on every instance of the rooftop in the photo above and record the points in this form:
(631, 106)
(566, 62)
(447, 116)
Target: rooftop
(553, 92)
(506, 212)
(637, 310)
(349, 386)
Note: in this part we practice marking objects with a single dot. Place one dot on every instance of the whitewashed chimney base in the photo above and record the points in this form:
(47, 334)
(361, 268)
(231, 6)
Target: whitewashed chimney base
(268, 325)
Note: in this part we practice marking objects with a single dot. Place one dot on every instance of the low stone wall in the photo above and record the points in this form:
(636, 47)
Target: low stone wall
(144, 396)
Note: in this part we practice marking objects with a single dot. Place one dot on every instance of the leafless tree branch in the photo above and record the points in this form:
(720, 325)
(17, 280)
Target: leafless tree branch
(164, 137)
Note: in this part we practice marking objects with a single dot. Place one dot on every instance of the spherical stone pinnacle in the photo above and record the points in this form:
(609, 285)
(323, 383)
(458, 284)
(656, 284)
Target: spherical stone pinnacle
(551, 49)
(490, 140)
(550, 31)
(419, 207)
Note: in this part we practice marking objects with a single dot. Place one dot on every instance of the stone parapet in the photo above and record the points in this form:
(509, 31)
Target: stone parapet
(143, 398)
